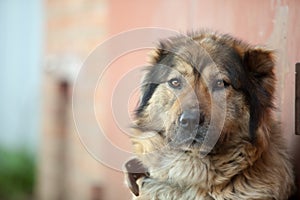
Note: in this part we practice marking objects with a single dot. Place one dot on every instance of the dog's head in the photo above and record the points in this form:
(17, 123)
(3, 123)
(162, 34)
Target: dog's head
(206, 87)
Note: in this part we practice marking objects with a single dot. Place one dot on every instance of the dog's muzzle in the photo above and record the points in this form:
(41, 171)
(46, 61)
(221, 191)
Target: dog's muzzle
(190, 121)
(189, 131)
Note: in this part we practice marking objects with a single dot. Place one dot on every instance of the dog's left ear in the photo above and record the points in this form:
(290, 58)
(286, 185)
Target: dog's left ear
(259, 63)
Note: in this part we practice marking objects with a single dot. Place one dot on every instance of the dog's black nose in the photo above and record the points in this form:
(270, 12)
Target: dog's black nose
(191, 119)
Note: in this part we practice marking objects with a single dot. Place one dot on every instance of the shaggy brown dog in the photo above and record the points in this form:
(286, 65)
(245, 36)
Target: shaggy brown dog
(204, 127)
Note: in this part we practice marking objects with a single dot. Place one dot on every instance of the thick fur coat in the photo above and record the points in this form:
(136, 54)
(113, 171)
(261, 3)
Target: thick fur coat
(204, 128)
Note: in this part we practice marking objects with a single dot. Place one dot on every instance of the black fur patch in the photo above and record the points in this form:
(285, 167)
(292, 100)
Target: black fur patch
(149, 90)
(156, 75)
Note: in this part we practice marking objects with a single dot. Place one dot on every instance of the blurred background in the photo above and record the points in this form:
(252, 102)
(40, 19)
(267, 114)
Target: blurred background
(42, 46)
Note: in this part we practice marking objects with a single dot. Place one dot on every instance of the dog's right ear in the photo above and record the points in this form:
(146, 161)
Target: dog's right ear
(160, 52)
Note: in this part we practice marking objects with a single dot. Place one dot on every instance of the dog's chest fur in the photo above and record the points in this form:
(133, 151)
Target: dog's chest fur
(229, 175)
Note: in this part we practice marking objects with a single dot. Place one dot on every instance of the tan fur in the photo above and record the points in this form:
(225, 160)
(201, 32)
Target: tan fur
(237, 167)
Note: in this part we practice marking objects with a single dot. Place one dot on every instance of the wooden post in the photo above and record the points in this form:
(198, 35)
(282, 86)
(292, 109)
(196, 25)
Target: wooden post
(297, 100)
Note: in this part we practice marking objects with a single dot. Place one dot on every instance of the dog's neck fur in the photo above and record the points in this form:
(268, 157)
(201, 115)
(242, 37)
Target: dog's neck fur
(164, 162)
(198, 170)
(220, 170)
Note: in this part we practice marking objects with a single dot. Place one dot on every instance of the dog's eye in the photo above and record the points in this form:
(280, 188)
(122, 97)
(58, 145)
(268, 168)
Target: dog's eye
(220, 84)
(174, 83)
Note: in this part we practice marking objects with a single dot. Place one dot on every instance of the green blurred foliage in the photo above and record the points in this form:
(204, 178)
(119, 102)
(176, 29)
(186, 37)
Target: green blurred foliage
(17, 174)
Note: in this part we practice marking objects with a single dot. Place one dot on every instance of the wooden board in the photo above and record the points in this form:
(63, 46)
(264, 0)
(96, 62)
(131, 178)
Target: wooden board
(297, 101)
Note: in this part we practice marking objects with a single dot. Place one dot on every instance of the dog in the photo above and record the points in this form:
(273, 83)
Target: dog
(204, 128)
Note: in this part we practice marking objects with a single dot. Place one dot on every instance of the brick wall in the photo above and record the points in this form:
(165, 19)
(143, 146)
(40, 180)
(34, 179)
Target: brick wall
(66, 169)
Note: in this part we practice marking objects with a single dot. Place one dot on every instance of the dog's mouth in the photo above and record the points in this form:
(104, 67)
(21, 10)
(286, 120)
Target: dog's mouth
(186, 140)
